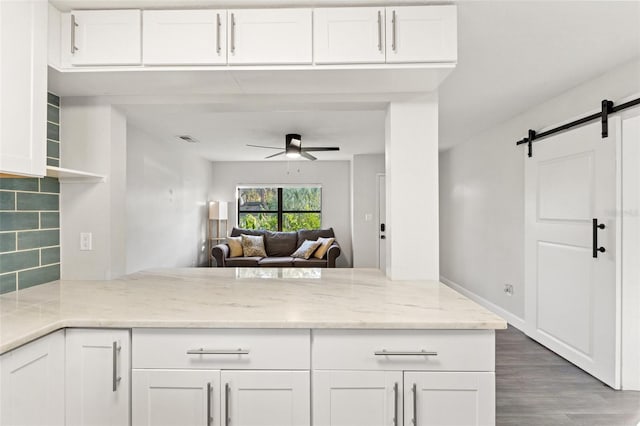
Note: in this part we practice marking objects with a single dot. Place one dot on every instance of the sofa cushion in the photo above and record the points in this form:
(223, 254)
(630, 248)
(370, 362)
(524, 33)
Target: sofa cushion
(242, 261)
(306, 249)
(310, 263)
(325, 243)
(236, 232)
(280, 244)
(314, 234)
(253, 245)
(276, 262)
(235, 246)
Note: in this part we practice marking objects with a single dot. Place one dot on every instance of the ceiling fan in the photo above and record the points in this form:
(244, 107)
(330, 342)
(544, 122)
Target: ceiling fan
(293, 148)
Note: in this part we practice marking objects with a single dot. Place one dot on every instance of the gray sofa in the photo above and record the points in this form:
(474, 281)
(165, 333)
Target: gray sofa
(279, 246)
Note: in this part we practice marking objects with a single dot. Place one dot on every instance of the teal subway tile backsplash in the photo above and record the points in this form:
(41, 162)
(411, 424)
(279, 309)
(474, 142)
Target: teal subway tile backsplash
(28, 201)
(7, 242)
(7, 200)
(30, 220)
(8, 282)
(19, 184)
(37, 276)
(49, 220)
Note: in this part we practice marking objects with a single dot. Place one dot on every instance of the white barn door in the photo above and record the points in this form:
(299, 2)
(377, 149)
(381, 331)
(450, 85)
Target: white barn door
(572, 296)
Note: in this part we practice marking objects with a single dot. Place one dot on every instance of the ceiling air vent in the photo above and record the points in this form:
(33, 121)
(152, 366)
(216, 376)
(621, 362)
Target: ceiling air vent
(187, 138)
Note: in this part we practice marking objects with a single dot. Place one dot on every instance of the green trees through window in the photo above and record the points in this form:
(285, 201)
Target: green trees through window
(280, 208)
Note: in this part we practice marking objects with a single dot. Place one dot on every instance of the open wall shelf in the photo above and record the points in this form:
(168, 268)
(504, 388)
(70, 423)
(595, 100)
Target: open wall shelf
(74, 176)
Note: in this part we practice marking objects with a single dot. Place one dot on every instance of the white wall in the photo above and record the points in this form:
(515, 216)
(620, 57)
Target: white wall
(334, 176)
(365, 169)
(481, 193)
(166, 197)
(93, 139)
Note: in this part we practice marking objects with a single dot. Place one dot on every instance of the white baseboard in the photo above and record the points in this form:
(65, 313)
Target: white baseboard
(512, 319)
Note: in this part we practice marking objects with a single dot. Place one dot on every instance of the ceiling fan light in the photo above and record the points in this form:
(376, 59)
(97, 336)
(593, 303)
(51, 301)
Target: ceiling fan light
(293, 155)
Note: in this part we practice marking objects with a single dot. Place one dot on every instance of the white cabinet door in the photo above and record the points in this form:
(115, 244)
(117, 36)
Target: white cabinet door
(422, 34)
(32, 383)
(348, 35)
(97, 373)
(269, 36)
(184, 37)
(449, 399)
(261, 398)
(357, 398)
(102, 37)
(23, 87)
(176, 398)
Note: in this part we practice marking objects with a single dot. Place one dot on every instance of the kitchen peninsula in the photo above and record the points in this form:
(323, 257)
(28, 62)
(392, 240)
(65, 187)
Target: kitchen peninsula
(220, 346)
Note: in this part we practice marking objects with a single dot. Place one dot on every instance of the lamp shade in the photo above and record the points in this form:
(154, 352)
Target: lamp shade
(218, 210)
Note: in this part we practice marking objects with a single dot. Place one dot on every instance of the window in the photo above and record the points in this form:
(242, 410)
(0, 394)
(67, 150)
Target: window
(280, 208)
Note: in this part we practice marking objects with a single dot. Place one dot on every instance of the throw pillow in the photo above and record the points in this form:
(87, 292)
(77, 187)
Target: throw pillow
(306, 249)
(235, 246)
(253, 245)
(325, 243)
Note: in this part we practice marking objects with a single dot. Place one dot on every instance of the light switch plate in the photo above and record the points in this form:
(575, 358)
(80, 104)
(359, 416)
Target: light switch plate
(85, 241)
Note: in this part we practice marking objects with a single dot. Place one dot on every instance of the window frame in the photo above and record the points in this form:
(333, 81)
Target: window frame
(280, 212)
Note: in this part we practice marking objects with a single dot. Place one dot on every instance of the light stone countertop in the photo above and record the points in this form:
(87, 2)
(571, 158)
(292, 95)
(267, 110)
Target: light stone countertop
(239, 298)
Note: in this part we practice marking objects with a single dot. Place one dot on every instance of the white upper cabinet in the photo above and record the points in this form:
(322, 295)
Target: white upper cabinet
(349, 35)
(421, 34)
(102, 37)
(269, 36)
(184, 37)
(23, 87)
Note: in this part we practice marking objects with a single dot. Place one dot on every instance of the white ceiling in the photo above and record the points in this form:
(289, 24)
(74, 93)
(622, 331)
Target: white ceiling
(513, 55)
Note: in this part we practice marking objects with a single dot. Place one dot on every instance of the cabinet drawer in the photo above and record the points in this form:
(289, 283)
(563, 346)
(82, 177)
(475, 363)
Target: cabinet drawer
(221, 349)
(445, 350)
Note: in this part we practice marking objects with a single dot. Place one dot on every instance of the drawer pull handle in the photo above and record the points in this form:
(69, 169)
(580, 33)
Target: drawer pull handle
(202, 351)
(385, 352)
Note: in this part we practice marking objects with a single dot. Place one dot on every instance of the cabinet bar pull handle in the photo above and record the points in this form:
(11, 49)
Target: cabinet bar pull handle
(227, 397)
(115, 378)
(594, 231)
(414, 390)
(385, 352)
(233, 33)
(393, 31)
(380, 31)
(202, 351)
(218, 24)
(209, 395)
(395, 404)
(74, 25)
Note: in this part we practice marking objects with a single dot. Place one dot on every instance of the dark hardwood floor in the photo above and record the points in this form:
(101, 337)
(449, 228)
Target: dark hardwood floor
(536, 387)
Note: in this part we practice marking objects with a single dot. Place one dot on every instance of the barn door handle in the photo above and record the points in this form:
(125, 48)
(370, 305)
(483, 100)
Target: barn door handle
(595, 247)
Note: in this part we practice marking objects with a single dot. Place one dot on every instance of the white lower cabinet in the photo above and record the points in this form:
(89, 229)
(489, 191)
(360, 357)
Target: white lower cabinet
(176, 397)
(266, 398)
(357, 398)
(97, 372)
(449, 399)
(32, 383)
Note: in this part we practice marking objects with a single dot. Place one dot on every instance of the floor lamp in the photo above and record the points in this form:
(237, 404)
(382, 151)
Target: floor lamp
(218, 211)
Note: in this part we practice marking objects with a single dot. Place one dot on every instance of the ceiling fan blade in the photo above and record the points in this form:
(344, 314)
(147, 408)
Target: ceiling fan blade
(275, 155)
(321, 148)
(307, 156)
(262, 146)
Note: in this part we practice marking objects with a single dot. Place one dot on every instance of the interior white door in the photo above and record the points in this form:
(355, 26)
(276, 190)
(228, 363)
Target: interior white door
(382, 223)
(348, 35)
(183, 37)
(176, 398)
(357, 398)
(571, 288)
(266, 398)
(449, 399)
(97, 377)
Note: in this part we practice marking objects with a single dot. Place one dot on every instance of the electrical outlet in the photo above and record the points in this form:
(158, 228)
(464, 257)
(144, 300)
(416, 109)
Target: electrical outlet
(508, 289)
(85, 241)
